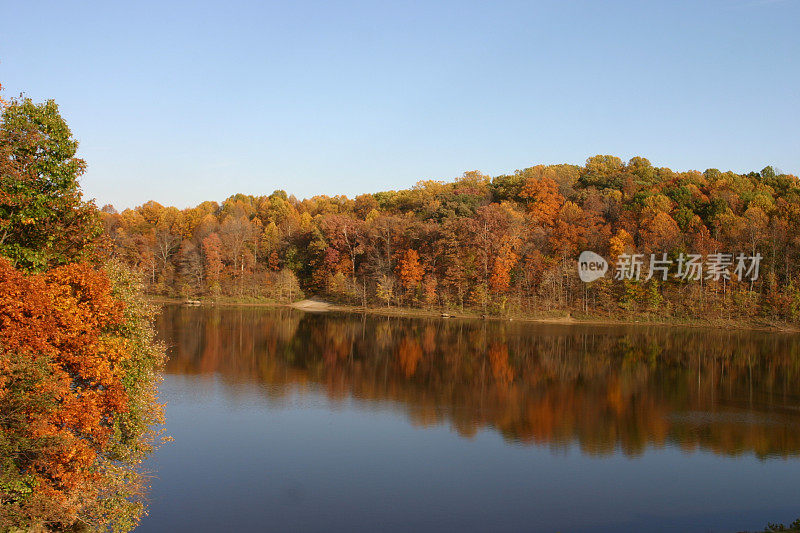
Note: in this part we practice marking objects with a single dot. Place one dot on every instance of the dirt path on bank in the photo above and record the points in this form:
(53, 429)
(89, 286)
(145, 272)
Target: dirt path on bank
(313, 305)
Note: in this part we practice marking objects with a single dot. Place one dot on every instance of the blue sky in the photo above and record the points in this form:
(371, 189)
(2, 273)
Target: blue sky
(183, 102)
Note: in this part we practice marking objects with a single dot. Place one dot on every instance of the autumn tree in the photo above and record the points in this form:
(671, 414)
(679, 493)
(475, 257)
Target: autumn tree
(543, 199)
(78, 369)
(212, 262)
(43, 219)
(385, 289)
(79, 364)
(660, 233)
(501, 272)
(409, 269)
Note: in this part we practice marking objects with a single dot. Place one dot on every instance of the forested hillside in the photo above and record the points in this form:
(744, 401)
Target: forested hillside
(502, 245)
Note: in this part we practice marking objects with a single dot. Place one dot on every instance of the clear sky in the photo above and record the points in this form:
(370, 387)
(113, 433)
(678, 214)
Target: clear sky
(182, 102)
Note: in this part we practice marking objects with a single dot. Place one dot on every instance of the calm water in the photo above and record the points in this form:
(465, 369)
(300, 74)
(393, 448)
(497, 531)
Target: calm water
(288, 421)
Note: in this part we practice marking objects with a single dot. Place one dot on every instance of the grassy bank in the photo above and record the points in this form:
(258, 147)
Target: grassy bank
(544, 317)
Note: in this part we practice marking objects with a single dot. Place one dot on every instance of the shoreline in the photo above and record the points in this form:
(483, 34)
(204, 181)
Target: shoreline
(566, 318)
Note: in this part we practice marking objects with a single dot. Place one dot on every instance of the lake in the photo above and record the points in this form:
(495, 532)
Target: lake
(292, 421)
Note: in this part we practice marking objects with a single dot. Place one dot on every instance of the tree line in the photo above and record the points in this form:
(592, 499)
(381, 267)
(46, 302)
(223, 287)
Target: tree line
(497, 245)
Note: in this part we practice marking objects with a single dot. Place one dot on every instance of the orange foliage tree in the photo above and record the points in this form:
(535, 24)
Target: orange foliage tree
(544, 199)
(212, 250)
(409, 269)
(503, 264)
(66, 414)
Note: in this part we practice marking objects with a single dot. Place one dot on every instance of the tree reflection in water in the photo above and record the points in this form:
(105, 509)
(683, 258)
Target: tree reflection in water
(607, 389)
